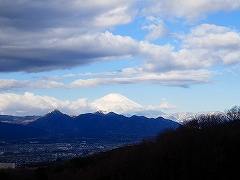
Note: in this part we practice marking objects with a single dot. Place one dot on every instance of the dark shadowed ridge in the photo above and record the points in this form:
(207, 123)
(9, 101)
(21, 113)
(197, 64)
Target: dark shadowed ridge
(53, 122)
(99, 123)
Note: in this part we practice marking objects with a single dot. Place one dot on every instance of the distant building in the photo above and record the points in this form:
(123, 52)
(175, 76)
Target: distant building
(7, 165)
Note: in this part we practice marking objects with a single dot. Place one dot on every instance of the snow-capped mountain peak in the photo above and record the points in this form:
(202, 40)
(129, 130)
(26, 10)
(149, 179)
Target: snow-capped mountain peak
(116, 103)
(117, 98)
(55, 112)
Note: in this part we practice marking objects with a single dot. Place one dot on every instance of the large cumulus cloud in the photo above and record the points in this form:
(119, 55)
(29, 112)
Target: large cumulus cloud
(31, 104)
(54, 53)
(46, 35)
(41, 36)
(204, 46)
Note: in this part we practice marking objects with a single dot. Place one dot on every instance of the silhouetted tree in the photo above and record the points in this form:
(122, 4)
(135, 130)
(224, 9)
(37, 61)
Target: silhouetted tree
(233, 113)
(205, 121)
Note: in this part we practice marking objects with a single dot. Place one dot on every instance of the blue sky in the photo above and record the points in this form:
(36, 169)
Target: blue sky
(169, 55)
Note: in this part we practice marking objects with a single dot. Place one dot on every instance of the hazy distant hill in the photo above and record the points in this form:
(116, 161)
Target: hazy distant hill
(18, 119)
(16, 131)
(100, 123)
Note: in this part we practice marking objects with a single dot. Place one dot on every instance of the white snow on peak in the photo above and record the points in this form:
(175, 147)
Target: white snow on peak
(117, 98)
(49, 112)
(101, 112)
(185, 116)
(116, 103)
(54, 110)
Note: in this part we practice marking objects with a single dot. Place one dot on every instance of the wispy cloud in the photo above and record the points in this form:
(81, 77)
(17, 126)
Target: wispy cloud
(166, 105)
(156, 27)
(188, 10)
(13, 84)
(171, 78)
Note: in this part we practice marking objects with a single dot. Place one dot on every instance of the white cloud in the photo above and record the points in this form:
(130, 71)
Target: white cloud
(55, 53)
(184, 78)
(232, 58)
(171, 78)
(205, 46)
(116, 16)
(61, 41)
(210, 36)
(53, 14)
(46, 84)
(31, 104)
(13, 84)
(156, 27)
(98, 45)
(166, 105)
(189, 10)
(213, 45)
(47, 35)
(56, 48)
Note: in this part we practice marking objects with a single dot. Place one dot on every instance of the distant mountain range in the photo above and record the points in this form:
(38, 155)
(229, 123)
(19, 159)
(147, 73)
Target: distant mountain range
(177, 117)
(122, 105)
(56, 123)
(186, 116)
(99, 123)
(110, 103)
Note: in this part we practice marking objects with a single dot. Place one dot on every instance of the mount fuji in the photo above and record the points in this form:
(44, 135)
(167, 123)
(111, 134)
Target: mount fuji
(118, 104)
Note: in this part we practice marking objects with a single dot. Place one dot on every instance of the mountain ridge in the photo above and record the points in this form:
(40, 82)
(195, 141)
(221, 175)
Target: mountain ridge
(186, 116)
(179, 117)
(99, 123)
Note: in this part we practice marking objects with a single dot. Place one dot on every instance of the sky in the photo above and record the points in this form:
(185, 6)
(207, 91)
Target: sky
(169, 55)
